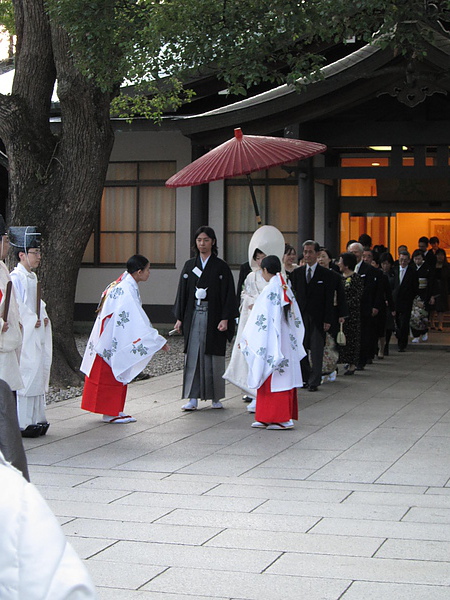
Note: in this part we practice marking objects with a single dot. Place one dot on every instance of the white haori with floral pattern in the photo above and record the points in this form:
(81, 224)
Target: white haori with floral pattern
(128, 340)
(272, 344)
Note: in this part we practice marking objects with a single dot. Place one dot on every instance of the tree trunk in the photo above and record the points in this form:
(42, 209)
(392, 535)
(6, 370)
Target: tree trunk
(56, 179)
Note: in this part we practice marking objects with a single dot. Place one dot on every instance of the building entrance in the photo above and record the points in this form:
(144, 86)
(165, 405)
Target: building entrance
(393, 229)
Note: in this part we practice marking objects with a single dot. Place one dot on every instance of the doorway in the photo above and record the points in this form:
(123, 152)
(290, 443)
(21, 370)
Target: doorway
(393, 229)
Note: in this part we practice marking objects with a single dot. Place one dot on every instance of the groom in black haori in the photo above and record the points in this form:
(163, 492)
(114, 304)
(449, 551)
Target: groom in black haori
(205, 310)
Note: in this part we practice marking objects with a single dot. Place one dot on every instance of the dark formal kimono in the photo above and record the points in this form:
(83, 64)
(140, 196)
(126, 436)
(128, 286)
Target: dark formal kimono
(200, 318)
(384, 319)
(419, 322)
(354, 289)
(371, 298)
(442, 279)
(340, 308)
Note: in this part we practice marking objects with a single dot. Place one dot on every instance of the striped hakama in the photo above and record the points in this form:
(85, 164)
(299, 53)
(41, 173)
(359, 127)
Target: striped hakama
(202, 372)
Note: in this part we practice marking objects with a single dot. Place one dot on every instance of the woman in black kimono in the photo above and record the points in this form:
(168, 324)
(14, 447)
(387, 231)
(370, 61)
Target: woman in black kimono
(424, 301)
(353, 287)
(442, 281)
(205, 310)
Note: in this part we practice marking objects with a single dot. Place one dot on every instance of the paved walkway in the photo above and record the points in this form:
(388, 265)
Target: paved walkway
(354, 504)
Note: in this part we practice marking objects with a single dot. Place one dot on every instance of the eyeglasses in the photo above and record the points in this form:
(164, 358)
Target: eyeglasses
(36, 252)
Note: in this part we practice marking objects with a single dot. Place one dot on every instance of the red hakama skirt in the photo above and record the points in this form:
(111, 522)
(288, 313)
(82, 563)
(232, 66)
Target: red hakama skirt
(275, 407)
(102, 392)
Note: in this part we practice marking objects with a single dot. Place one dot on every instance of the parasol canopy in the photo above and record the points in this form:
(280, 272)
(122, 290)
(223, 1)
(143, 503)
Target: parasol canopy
(242, 155)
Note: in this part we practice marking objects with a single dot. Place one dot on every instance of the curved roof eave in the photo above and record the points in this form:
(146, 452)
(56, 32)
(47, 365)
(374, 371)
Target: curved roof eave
(373, 57)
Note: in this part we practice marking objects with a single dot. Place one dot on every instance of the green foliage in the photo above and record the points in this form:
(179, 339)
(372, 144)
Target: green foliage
(7, 16)
(245, 41)
(150, 101)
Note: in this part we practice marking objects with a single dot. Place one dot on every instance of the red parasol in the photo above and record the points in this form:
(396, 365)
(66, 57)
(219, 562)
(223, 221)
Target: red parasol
(243, 155)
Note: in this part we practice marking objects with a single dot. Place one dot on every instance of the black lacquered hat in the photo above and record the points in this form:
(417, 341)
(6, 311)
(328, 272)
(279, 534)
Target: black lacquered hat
(24, 237)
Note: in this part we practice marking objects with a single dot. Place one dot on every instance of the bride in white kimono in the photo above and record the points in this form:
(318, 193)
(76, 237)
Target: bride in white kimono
(266, 240)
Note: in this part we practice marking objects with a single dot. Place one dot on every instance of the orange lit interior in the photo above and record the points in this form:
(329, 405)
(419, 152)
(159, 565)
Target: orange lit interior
(402, 228)
(392, 229)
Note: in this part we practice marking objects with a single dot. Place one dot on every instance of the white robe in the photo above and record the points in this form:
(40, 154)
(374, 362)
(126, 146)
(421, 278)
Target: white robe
(11, 340)
(272, 344)
(36, 561)
(128, 341)
(237, 370)
(36, 355)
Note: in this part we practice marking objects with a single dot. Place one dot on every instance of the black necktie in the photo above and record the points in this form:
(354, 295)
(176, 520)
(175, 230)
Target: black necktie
(308, 275)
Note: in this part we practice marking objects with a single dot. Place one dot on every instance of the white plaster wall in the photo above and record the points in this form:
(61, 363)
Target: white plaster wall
(162, 285)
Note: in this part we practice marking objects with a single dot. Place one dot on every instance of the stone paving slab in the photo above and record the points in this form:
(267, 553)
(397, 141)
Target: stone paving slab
(240, 586)
(360, 590)
(367, 569)
(353, 504)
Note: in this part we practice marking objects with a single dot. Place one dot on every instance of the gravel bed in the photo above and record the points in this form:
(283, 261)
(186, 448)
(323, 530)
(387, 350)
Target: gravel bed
(161, 363)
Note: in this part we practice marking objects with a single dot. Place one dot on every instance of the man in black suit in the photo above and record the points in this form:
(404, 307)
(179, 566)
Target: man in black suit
(429, 255)
(370, 304)
(312, 287)
(406, 288)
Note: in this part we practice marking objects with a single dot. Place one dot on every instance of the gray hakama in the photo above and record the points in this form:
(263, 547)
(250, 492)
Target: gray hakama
(202, 372)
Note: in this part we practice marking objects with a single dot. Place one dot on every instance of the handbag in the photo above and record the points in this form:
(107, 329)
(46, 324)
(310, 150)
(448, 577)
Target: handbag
(340, 338)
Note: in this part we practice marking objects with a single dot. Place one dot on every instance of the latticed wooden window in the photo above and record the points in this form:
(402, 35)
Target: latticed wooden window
(277, 197)
(137, 215)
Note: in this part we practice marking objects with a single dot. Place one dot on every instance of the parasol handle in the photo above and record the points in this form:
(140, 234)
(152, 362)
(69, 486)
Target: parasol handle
(255, 202)
(38, 300)
(7, 300)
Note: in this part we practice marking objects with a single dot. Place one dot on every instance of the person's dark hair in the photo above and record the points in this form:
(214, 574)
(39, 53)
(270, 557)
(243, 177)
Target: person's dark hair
(367, 249)
(424, 240)
(209, 231)
(404, 253)
(418, 252)
(379, 249)
(16, 252)
(387, 257)
(441, 251)
(365, 240)
(256, 252)
(376, 258)
(288, 249)
(136, 263)
(327, 252)
(434, 240)
(350, 242)
(311, 243)
(271, 263)
(349, 260)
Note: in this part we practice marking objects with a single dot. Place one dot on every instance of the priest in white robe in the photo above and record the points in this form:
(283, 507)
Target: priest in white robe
(10, 327)
(36, 353)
